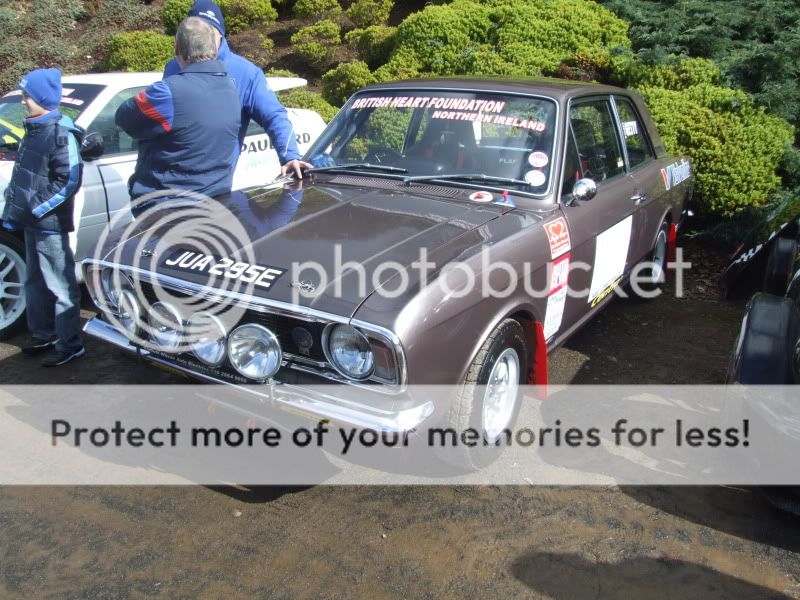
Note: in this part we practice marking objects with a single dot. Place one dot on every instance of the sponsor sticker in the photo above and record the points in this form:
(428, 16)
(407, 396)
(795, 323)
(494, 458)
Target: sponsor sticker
(558, 237)
(535, 178)
(557, 296)
(196, 262)
(538, 159)
(481, 197)
(602, 295)
(676, 173)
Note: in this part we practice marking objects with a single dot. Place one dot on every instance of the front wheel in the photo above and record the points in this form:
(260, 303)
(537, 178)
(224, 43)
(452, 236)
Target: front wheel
(12, 280)
(489, 401)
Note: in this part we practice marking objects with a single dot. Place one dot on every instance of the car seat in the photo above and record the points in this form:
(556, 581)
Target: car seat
(450, 144)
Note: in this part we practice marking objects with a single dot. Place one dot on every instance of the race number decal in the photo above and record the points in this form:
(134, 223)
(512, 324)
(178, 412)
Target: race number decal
(610, 255)
(216, 266)
(558, 237)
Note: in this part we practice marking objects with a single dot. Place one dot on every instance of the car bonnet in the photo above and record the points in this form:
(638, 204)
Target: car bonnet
(341, 241)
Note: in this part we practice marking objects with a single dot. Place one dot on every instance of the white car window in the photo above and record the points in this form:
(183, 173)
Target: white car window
(115, 141)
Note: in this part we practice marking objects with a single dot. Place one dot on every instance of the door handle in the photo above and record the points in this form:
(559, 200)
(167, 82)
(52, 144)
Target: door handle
(639, 197)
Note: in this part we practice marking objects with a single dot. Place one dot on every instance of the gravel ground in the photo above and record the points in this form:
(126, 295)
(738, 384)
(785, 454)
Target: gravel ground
(417, 542)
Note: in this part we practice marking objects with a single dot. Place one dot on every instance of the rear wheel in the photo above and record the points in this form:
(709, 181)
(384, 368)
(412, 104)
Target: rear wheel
(653, 276)
(780, 266)
(12, 280)
(490, 399)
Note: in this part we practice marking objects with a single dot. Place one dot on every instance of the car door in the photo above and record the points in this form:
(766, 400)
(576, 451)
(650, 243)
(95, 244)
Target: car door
(258, 162)
(600, 229)
(640, 159)
(112, 170)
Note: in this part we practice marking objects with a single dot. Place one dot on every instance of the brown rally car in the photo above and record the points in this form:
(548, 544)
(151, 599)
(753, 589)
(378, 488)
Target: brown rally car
(452, 231)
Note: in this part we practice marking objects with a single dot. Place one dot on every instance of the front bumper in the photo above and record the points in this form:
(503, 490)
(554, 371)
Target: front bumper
(344, 404)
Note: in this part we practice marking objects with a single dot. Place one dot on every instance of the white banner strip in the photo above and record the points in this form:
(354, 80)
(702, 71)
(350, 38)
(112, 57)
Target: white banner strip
(277, 435)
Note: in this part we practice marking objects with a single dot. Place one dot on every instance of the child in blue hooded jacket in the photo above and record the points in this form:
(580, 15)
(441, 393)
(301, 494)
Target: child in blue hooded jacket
(39, 199)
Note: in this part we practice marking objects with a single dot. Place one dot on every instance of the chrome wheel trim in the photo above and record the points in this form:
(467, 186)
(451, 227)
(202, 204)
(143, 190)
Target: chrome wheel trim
(12, 281)
(501, 392)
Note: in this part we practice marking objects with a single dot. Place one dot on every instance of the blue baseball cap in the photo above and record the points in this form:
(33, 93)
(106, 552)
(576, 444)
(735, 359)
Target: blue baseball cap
(209, 11)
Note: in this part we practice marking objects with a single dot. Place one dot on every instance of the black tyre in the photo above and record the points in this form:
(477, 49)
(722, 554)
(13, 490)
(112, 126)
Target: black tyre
(654, 275)
(12, 279)
(490, 399)
(780, 266)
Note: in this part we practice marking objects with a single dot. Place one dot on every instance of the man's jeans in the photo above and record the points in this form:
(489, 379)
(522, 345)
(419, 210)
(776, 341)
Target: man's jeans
(51, 290)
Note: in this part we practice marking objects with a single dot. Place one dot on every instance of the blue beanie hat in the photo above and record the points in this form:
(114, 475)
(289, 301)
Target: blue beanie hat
(44, 86)
(205, 9)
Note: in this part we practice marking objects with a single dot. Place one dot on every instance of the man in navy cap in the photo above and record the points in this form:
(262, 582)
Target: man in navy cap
(258, 101)
(186, 141)
(39, 199)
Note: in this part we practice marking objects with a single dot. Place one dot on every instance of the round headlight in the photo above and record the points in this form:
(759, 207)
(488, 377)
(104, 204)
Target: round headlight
(207, 335)
(254, 351)
(166, 326)
(108, 288)
(349, 352)
(130, 313)
(112, 284)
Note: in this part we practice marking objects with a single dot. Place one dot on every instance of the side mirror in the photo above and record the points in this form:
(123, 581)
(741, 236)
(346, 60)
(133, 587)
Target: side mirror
(92, 147)
(584, 189)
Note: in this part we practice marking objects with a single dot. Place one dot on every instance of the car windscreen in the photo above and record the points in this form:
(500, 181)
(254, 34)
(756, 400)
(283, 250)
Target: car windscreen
(449, 134)
(75, 97)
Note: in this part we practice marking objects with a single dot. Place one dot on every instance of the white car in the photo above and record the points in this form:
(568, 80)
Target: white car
(92, 101)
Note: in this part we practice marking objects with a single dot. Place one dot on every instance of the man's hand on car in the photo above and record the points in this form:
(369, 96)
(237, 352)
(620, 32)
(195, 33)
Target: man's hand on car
(296, 167)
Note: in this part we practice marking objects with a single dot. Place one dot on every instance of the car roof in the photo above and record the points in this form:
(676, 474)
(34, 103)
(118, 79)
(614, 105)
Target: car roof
(114, 79)
(126, 80)
(557, 88)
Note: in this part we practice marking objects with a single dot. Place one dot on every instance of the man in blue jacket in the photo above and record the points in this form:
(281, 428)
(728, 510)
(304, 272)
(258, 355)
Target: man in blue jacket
(39, 199)
(187, 125)
(258, 101)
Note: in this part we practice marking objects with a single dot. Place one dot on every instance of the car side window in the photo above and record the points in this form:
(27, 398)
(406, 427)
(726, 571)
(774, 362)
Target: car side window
(572, 166)
(115, 141)
(636, 142)
(599, 151)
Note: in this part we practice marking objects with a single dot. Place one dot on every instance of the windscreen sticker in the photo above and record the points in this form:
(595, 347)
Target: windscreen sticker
(481, 197)
(676, 173)
(461, 104)
(535, 178)
(538, 159)
(453, 109)
(610, 256)
(557, 296)
(558, 237)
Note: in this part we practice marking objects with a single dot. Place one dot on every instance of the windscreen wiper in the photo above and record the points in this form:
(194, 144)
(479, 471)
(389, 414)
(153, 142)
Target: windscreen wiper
(464, 177)
(364, 165)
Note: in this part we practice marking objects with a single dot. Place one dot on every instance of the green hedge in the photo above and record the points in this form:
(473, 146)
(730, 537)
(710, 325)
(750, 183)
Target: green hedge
(364, 13)
(339, 84)
(503, 37)
(306, 9)
(317, 43)
(139, 51)
(373, 44)
(735, 146)
(239, 14)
